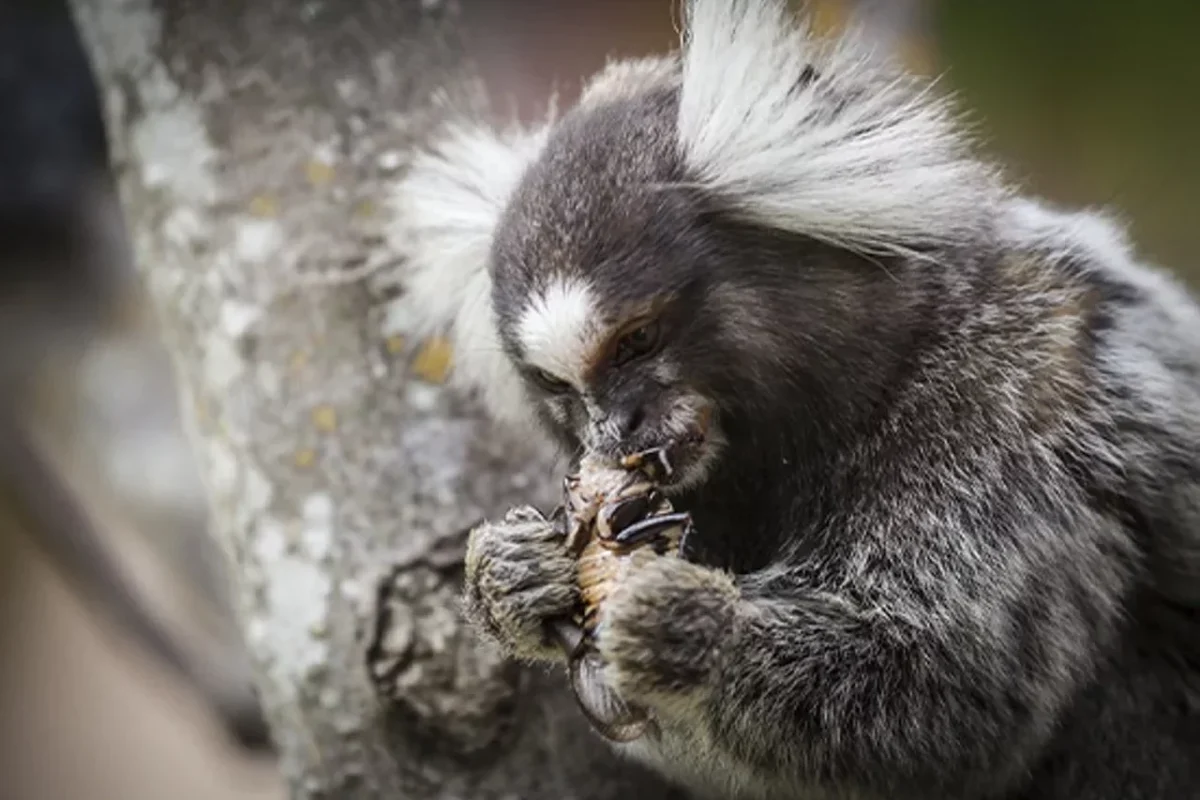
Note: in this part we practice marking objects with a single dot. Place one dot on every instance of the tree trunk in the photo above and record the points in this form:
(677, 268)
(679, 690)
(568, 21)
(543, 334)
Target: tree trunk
(255, 146)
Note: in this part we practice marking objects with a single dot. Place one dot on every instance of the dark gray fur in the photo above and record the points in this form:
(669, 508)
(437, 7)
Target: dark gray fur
(952, 548)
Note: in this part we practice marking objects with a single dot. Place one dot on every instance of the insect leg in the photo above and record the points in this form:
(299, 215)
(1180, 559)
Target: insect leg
(647, 530)
(618, 516)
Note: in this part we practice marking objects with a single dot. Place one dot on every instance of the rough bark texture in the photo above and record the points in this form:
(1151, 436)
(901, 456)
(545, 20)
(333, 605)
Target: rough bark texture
(256, 145)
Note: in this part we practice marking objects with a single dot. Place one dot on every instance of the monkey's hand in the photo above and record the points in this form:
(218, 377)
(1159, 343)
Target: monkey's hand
(519, 575)
(661, 631)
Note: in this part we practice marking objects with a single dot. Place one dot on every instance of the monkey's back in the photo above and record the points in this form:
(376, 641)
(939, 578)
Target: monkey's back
(1135, 732)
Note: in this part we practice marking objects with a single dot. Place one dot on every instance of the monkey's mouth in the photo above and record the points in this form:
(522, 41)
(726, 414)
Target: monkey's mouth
(680, 459)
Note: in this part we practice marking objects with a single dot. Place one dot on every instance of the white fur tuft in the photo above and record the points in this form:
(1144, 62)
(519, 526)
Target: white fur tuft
(448, 205)
(1093, 233)
(863, 156)
(560, 331)
(627, 78)
(1101, 240)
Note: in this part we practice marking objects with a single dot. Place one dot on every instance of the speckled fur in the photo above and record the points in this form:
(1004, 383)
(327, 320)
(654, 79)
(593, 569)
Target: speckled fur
(950, 544)
(518, 574)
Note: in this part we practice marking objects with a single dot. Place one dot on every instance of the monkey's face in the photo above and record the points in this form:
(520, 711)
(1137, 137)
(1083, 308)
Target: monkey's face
(598, 283)
(612, 375)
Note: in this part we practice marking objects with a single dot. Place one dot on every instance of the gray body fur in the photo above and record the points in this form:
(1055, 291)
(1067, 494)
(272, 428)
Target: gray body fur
(947, 537)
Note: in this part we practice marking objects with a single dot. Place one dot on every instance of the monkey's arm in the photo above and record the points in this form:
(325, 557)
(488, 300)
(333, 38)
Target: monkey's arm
(928, 643)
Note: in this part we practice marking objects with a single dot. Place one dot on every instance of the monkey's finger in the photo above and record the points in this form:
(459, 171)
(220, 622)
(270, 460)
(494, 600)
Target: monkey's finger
(523, 514)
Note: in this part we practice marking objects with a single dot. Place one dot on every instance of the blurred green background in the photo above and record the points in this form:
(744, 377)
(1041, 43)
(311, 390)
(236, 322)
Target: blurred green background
(1088, 102)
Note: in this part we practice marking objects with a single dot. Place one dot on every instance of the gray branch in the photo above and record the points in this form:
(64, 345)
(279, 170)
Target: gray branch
(256, 145)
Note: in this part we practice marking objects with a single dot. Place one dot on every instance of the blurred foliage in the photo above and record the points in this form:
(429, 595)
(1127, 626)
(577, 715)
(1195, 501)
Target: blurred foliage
(1089, 102)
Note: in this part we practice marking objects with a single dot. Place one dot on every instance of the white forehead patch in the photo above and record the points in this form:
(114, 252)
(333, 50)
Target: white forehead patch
(560, 330)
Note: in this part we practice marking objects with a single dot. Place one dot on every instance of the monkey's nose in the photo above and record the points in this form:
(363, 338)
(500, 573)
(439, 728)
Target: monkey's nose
(629, 421)
(622, 422)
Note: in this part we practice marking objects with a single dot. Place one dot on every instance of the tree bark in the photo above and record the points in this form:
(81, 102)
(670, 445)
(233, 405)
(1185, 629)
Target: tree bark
(256, 145)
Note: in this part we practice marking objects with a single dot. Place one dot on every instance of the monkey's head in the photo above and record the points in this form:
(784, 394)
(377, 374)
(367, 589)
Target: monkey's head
(680, 258)
(601, 270)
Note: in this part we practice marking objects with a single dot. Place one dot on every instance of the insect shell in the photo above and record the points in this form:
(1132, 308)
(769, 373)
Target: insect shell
(611, 516)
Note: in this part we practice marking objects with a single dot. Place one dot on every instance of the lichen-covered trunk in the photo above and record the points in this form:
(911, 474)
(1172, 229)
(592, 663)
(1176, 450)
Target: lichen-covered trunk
(256, 145)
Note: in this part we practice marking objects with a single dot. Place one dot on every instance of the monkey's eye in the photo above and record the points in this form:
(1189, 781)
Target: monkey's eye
(638, 342)
(549, 382)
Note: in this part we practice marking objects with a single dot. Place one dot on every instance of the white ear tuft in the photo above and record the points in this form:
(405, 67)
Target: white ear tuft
(822, 137)
(448, 206)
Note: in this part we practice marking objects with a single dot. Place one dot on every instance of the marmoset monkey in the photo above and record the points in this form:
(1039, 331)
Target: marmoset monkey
(946, 506)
